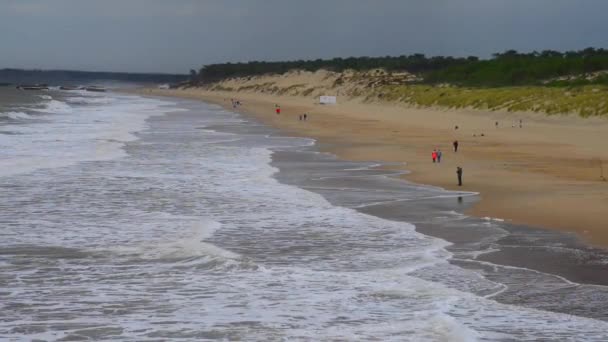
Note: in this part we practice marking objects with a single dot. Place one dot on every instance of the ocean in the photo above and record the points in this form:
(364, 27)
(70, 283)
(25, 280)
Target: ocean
(132, 218)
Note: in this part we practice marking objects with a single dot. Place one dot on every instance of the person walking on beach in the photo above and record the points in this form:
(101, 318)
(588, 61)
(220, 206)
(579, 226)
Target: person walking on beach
(300, 117)
(434, 155)
(439, 156)
(305, 116)
(455, 144)
(459, 174)
(278, 110)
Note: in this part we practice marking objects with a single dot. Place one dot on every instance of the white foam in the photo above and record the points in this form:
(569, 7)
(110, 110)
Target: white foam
(188, 246)
(136, 231)
(363, 168)
(493, 219)
(69, 135)
(15, 115)
(89, 100)
(55, 107)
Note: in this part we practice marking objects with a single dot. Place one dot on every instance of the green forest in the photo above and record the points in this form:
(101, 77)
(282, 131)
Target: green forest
(510, 68)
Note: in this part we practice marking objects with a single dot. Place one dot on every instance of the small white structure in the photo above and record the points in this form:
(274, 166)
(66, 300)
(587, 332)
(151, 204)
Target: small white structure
(327, 100)
(163, 86)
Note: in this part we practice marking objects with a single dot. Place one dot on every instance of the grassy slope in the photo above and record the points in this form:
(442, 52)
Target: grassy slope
(585, 100)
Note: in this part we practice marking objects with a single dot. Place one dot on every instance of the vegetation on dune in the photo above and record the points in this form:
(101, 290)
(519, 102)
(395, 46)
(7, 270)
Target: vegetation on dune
(551, 68)
(589, 100)
(219, 87)
(511, 68)
(585, 100)
(549, 82)
(417, 63)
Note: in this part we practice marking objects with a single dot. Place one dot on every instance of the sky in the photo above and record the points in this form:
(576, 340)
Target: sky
(173, 36)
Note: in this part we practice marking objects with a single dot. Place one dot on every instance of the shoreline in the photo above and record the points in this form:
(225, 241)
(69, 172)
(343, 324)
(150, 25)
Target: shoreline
(523, 175)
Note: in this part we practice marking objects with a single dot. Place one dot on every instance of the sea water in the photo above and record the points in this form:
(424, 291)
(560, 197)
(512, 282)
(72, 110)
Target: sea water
(132, 218)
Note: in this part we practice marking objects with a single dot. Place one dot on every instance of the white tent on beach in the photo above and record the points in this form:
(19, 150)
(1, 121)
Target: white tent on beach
(327, 99)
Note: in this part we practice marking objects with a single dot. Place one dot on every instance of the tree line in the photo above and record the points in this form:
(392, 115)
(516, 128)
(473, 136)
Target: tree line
(514, 68)
(509, 68)
(416, 63)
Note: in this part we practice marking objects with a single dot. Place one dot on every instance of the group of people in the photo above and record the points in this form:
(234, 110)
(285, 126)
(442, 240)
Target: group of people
(277, 110)
(235, 103)
(436, 157)
(521, 124)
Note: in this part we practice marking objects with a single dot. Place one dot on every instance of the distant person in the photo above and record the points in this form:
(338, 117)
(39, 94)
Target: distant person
(456, 127)
(434, 156)
(305, 116)
(455, 144)
(520, 123)
(278, 110)
(459, 174)
(300, 117)
(496, 124)
(439, 156)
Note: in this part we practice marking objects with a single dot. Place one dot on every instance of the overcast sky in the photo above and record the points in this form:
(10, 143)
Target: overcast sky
(176, 35)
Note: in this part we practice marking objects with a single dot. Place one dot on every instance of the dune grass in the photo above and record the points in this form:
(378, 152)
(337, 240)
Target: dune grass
(585, 100)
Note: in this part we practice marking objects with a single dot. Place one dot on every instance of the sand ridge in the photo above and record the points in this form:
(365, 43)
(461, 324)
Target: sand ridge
(545, 174)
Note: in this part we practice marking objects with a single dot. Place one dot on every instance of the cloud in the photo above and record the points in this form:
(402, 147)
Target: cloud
(26, 7)
(122, 8)
(176, 35)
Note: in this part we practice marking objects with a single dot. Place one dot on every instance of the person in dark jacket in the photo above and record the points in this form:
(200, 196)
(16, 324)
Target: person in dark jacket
(459, 174)
(455, 143)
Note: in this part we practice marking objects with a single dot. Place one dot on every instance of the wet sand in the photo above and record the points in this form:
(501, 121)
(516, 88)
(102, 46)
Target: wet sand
(545, 174)
(538, 268)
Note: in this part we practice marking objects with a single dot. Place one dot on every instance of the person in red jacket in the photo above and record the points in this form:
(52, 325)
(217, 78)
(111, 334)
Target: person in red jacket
(434, 155)
(278, 110)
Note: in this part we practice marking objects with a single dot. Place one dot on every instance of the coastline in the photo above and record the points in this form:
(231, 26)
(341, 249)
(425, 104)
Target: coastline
(540, 175)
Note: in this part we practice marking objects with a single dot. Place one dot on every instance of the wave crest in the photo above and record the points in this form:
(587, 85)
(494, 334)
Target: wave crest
(55, 107)
(187, 247)
(15, 115)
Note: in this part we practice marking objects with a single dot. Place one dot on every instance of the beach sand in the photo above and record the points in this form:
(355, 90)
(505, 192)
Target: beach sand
(545, 174)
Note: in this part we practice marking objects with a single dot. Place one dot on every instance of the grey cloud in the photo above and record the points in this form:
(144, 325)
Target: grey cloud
(173, 36)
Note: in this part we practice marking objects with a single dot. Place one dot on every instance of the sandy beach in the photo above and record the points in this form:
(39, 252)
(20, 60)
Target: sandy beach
(545, 174)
